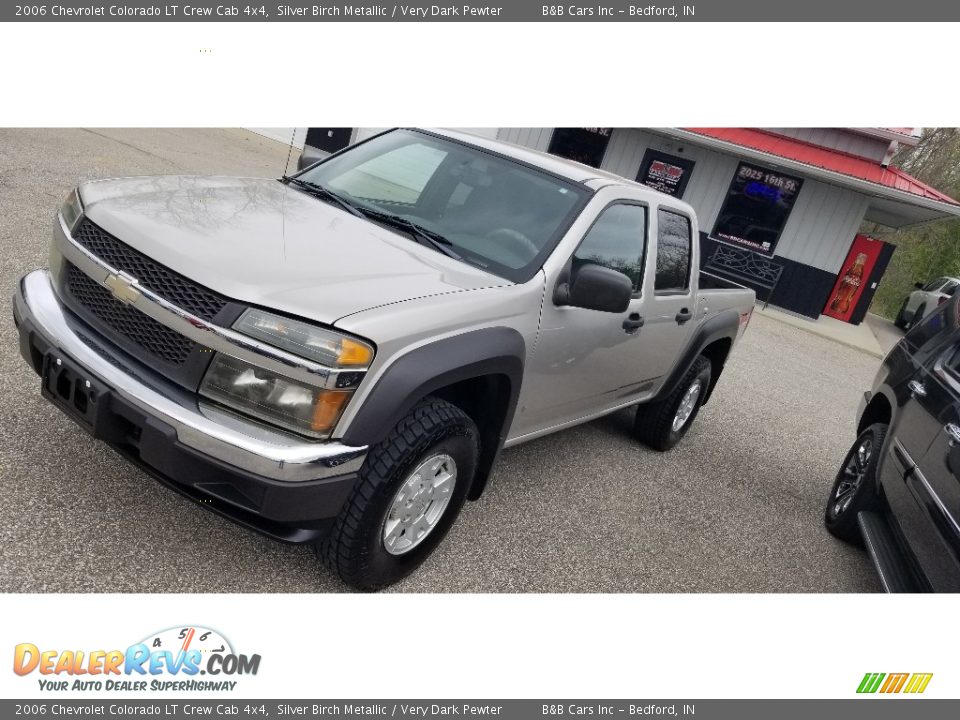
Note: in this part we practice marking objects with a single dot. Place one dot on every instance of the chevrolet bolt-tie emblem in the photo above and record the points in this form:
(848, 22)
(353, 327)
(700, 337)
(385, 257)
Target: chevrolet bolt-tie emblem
(123, 287)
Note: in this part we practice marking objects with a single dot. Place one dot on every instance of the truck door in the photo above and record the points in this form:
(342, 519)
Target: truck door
(669, 309)
(586, 360)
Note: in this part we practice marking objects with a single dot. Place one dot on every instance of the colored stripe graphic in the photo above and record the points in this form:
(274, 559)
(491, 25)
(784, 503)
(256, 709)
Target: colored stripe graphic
(918, 682)
(894, 683)
(870, 682)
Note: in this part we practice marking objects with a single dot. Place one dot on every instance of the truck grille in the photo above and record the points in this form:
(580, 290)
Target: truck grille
(171, 286)
(168, 345)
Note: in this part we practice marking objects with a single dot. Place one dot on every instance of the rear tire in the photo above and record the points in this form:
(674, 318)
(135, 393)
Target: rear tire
(855, 488)
(662, 424)
(901, 320)
(393, 518)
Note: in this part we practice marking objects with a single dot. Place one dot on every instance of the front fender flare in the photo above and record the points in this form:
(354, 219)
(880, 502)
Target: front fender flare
(497, 351)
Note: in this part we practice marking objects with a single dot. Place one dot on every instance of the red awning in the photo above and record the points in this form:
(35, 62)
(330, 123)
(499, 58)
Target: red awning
(824, 158)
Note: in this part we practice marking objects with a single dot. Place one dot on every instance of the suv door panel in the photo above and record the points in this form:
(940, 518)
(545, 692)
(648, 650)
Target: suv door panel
(935, 483)
(919, 486)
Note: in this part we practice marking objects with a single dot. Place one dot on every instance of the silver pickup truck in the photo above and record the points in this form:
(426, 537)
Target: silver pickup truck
(338, 357)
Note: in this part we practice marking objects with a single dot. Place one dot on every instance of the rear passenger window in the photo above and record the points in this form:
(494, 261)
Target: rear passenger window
(617, 241)
(673, 252)
(950, 288)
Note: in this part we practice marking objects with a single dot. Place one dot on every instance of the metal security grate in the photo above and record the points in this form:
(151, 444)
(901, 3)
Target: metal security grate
(171, 286)
(159, 340)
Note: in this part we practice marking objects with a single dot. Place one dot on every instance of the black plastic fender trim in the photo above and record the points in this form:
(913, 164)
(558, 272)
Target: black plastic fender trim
(723, 325)
(427, 369)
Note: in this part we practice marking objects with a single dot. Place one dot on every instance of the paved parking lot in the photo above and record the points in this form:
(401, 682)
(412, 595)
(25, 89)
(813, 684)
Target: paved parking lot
(736, 508)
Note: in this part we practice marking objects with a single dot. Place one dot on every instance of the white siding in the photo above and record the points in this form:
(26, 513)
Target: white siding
(536, 138)
(822, 225)
(364, 133)
(820, 228)
(839, 139)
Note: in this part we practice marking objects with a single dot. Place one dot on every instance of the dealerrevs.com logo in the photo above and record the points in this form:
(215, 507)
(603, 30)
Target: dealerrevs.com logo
(178, 659)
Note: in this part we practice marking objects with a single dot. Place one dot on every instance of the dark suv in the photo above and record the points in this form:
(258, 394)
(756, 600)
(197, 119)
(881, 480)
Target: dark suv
(898, 489)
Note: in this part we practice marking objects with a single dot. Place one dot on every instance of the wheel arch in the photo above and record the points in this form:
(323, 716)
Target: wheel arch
(878, 410)
(714, 340)
(478, 371)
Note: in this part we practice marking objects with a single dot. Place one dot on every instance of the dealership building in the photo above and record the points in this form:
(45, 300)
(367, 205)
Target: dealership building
(780, 209)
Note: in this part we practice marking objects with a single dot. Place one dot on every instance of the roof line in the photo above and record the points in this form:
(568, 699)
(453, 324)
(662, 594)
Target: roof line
(833, 176)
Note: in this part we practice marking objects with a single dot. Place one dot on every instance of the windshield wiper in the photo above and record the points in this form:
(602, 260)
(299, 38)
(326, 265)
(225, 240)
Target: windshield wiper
(322, 192)
(435, 240)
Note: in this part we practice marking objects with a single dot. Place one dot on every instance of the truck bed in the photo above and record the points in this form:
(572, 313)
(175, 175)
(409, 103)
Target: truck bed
(717, 294)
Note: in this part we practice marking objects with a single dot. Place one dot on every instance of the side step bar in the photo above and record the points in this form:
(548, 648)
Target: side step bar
(894, 571)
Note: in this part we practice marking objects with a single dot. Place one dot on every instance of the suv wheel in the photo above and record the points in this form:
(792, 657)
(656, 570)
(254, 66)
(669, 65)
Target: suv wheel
(409, 493)
(901, 320)
(855, 487)
(662, 424)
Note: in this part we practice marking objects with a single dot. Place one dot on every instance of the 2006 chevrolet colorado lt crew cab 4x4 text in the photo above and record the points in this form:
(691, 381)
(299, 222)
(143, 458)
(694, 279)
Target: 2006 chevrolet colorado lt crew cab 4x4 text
(338, 357)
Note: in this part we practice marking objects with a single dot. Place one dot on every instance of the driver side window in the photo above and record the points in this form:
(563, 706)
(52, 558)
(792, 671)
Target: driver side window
(617, 240)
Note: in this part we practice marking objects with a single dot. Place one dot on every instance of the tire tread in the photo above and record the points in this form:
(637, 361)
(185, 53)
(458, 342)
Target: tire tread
(341, 550)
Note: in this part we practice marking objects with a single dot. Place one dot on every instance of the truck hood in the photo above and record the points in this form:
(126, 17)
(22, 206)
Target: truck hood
(265, 243)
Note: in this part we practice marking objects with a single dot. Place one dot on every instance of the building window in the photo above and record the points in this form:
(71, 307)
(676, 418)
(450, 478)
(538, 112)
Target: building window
(616, 241)
(585, 145)
(757, 207)
(673, 252)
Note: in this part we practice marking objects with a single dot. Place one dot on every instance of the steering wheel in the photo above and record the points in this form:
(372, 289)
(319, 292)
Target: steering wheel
(515, 240)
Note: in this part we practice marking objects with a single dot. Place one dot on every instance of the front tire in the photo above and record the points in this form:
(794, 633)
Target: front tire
(662, 424)
(410, 491)
(855, 488)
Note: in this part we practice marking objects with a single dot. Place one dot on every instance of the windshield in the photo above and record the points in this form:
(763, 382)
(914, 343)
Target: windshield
(495, 213)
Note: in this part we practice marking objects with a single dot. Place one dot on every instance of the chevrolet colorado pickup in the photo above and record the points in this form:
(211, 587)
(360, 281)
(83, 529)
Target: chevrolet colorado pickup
(338, 357)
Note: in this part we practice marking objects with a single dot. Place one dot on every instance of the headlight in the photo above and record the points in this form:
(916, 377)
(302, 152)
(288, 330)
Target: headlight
(72, 210)
(307, 341)
(276, 399)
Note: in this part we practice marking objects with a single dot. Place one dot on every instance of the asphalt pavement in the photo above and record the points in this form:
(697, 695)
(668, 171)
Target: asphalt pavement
(737, 507)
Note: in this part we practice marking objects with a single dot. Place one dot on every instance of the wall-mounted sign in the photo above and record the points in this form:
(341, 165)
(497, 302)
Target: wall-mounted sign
(757, 207)
(666, 173)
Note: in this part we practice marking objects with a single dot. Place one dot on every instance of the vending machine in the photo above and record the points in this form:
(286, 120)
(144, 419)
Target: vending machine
(858, 279)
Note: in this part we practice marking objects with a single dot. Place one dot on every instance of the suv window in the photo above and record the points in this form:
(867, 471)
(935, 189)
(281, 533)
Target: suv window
(950, 287)
(673, 252)
(933, 284)
(617, 240)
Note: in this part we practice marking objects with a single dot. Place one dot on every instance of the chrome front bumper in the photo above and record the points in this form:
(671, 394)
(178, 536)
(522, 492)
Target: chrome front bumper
(199, 426)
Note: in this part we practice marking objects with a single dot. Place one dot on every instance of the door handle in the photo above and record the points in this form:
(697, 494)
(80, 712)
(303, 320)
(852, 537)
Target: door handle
(633, 323)
(683, 316)
(953, 432)
(917, 388)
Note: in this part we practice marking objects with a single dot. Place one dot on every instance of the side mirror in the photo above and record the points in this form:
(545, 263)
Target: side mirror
(595, 287)
(918, 285)
(309, 156)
